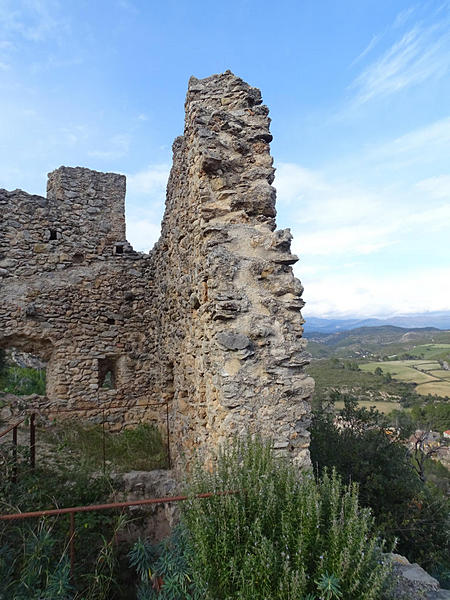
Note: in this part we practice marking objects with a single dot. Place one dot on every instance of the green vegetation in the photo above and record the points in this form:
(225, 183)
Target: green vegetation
(141, 448)
(164, 570)
(434, 417)
(282, 536)
(426, 375)
(404, 507)
(385, 408)
(33, 556)
(381, 342)
(399, 369)
(330, 374)
(22, 381)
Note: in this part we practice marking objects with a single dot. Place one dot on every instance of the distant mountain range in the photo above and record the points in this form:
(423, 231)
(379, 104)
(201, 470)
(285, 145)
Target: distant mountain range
(438, 320)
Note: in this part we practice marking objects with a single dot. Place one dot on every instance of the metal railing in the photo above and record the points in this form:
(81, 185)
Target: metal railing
(103, 410)
(72, 511)
(14, 429)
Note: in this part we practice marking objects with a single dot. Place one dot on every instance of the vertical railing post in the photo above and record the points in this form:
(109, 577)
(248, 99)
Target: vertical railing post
(14, 469)
(72, 544)
(103, 442)
(32, 441)
(168, 435)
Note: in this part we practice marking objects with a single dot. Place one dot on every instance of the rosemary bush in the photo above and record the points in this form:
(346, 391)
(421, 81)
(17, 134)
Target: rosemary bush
(282, 536)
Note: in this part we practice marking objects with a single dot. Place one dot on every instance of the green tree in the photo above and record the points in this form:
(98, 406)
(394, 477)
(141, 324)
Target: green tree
(361, 448)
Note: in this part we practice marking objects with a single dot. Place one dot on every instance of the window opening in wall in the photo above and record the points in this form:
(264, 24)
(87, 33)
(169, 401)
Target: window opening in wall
(53, 234)
(119, 249)
(21, 373)
(110, 321)
(107, 373)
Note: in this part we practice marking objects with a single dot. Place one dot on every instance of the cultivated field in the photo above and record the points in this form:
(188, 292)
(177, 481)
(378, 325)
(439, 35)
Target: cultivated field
(428, 375)
(428, 351)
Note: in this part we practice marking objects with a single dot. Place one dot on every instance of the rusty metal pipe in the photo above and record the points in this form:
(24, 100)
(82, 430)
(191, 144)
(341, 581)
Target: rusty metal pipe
(93, 507)
(11, 427)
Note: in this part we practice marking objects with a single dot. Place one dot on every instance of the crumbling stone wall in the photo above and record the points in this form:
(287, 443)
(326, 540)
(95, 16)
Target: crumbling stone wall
(209, 321)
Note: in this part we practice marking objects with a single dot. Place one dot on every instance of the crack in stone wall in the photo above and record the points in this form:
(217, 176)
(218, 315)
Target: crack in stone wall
(208, 321)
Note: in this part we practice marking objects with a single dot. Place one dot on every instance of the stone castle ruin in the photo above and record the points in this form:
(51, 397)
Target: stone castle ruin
(207, 324)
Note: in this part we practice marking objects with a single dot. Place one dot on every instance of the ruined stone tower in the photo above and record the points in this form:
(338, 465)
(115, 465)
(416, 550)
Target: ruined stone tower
(208, 322)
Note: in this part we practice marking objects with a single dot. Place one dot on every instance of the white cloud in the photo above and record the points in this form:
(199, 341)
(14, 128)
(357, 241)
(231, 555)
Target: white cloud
(334, 217)
(152, 180)
(421, 145)
(370, 46)
(142, 233)
(422, 53)
(437, 187)
(33, 20)
(370, 295)
(331, 218)
(145, 204)
(117, 147)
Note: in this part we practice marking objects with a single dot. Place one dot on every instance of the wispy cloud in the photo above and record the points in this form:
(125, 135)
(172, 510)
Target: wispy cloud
(348, 218)
(33, 20)
(370, 46)
(437, 187)
(421, 145)
(116, 147)
(422, 53)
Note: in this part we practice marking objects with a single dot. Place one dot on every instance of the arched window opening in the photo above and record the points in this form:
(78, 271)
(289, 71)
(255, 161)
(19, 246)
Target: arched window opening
(22, 373)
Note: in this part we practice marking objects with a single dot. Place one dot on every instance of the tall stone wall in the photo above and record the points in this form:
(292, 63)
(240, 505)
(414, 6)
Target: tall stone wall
(209, 321)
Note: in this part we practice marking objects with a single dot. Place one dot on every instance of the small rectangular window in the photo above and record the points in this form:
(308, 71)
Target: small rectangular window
(107, 373)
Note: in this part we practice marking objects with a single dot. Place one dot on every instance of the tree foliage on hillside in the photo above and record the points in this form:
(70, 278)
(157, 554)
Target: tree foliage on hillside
(361, 447)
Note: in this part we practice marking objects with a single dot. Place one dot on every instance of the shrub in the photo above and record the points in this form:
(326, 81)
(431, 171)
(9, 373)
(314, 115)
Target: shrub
(33, 556)
(281, 536)
(405, 508)
(163, 569)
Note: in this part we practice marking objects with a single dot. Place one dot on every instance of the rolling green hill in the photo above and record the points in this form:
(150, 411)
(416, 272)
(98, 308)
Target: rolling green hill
(385, 341)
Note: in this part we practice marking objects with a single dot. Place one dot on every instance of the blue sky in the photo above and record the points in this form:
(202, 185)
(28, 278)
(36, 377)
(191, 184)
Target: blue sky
(359, 95)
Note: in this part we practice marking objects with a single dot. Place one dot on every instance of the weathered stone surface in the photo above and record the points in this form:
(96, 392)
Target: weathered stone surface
(411, 582)
(209, 321)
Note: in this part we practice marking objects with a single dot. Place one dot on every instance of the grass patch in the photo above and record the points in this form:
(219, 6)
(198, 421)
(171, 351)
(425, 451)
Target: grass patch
(431, 351)
(399, 370)
(436, 388)
(429, 366)
(23, 381)
(139, 449)
(441, 374)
